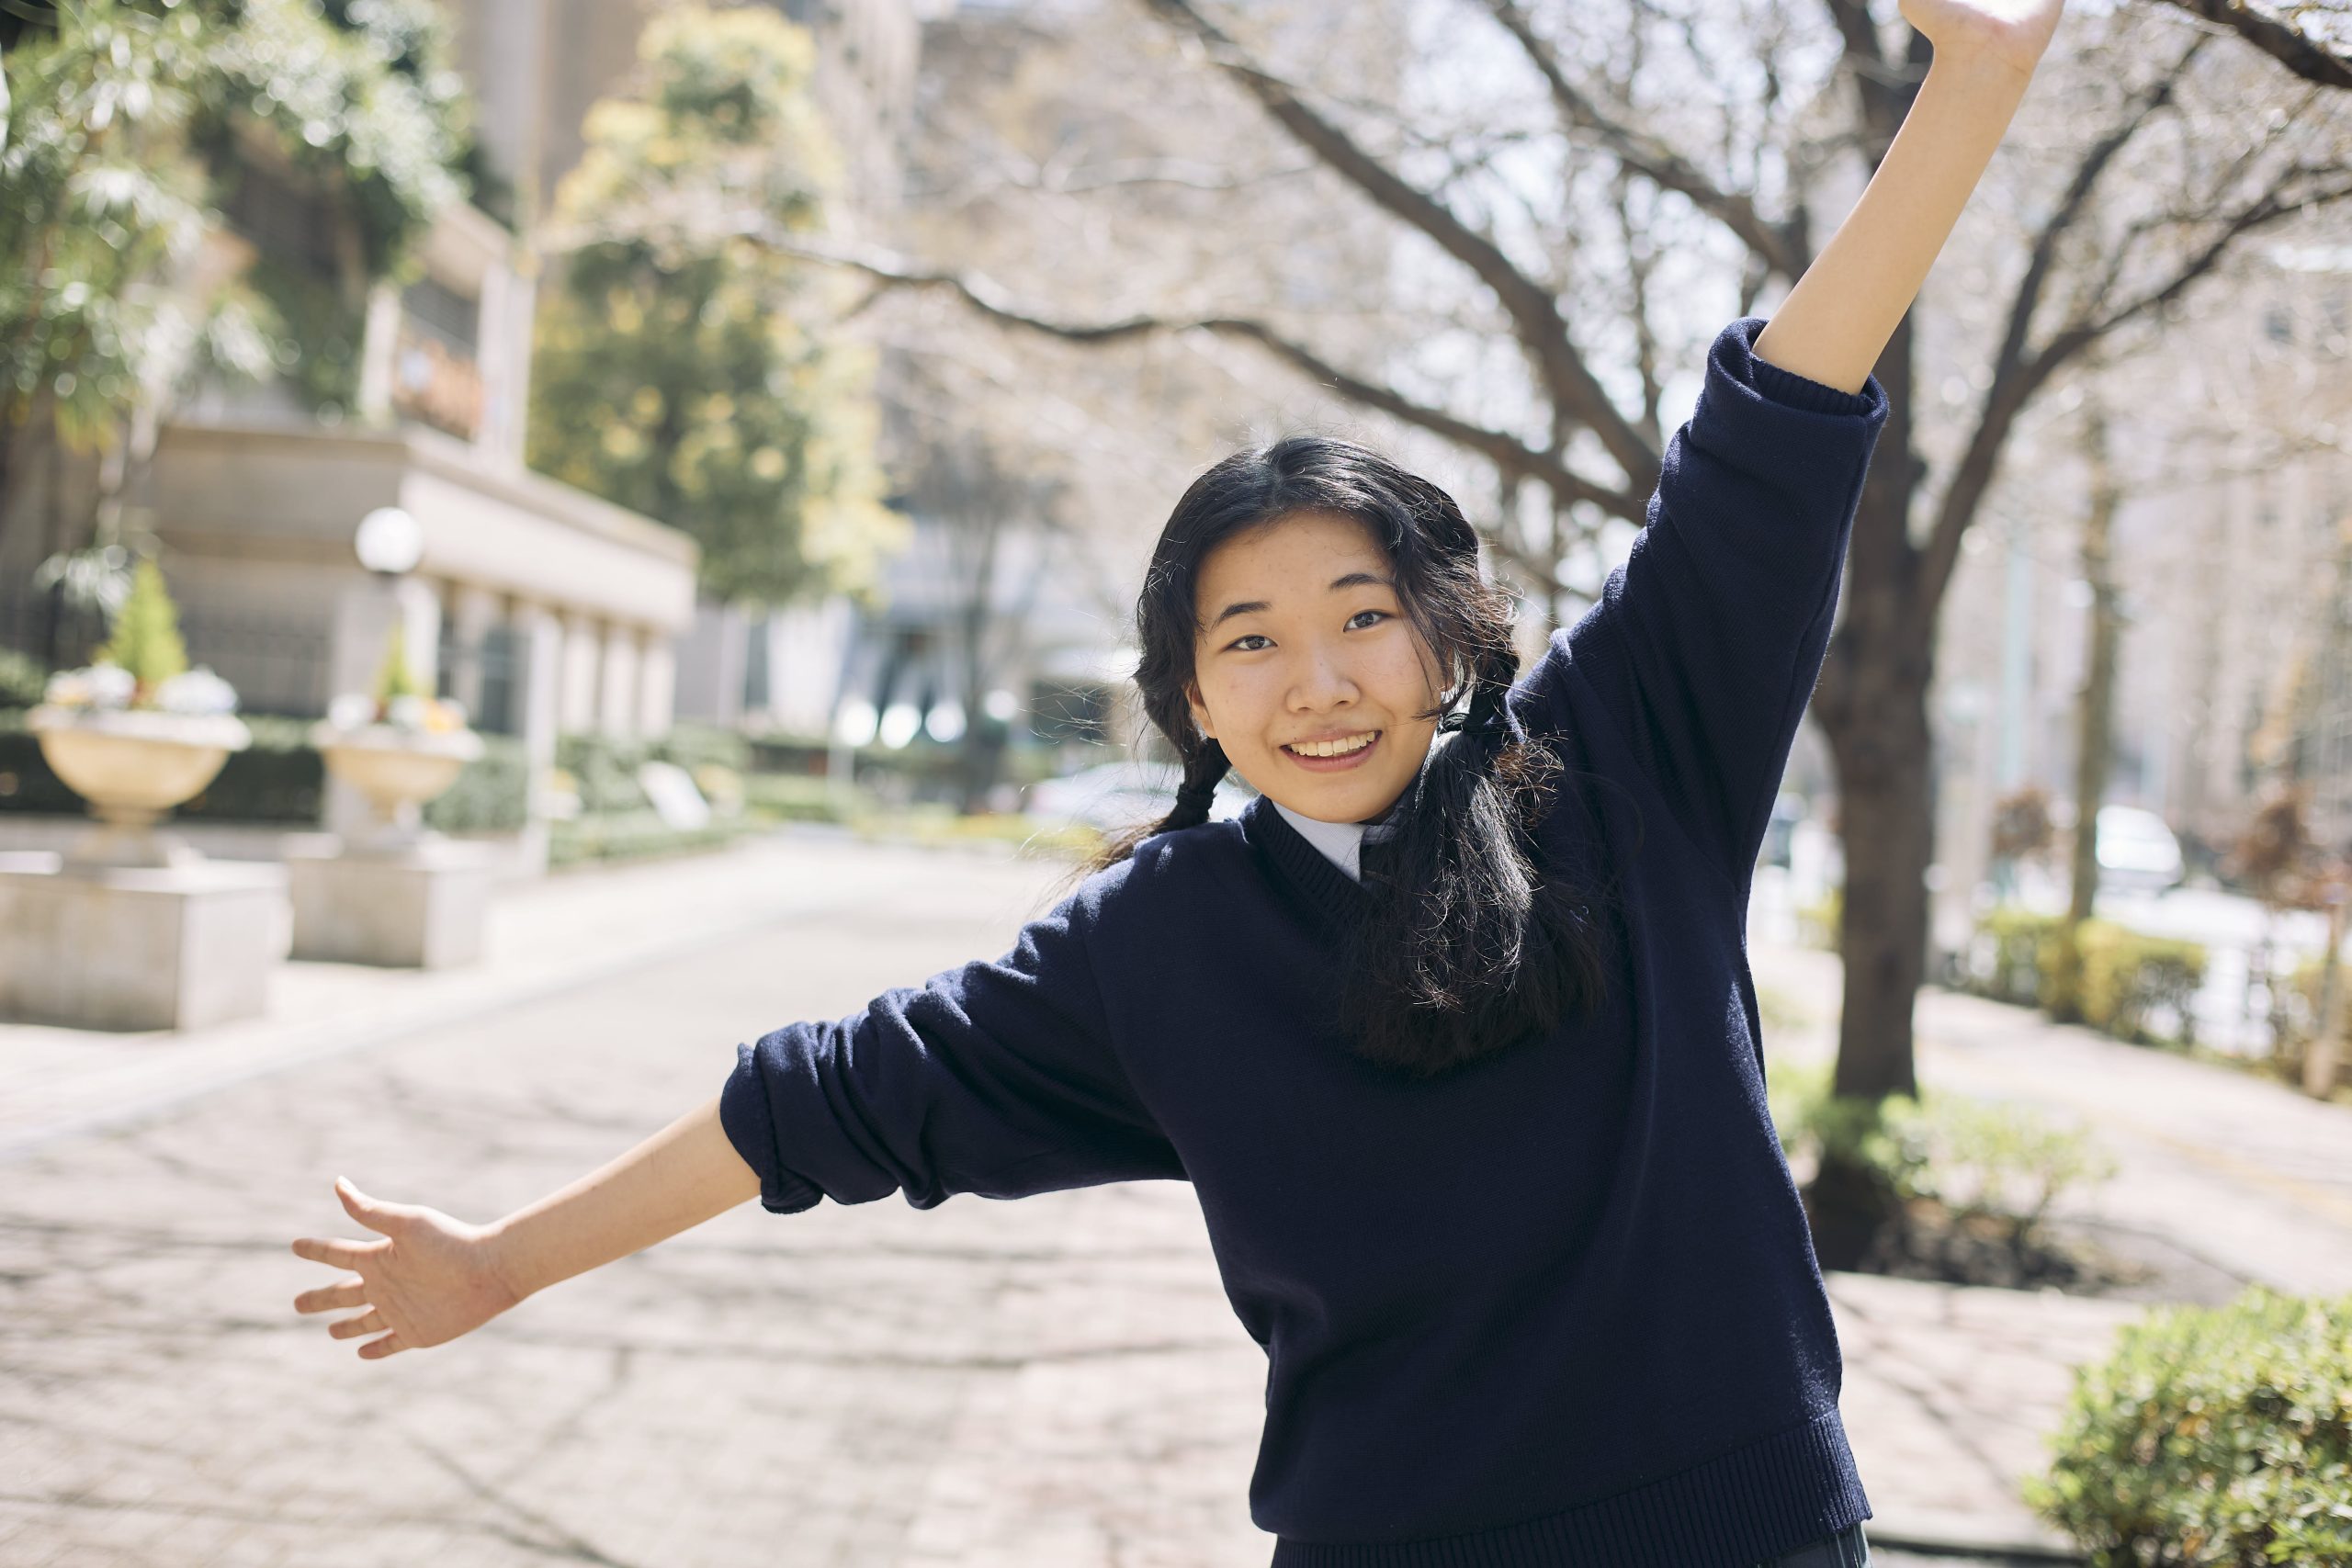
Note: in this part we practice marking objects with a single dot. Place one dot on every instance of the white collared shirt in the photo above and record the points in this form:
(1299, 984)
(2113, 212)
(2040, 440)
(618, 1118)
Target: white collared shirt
(1341, 842)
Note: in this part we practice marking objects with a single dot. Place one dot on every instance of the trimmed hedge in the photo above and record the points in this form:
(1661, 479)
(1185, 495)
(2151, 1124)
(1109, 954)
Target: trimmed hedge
(492, 794)
(634, 835)
(2127, 978)
(2212, 1436)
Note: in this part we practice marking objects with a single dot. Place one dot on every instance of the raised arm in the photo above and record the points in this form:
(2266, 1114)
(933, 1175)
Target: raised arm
(1836, 321)
(1703, 647)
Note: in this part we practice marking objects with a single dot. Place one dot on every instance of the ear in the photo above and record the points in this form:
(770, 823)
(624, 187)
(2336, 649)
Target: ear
(1200, 709)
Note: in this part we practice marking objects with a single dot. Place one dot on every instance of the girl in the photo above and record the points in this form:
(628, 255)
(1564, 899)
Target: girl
(1455, 1041)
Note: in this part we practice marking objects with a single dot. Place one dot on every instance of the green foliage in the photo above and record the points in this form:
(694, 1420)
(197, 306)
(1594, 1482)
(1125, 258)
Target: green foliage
(791, 797)
(120, 116)
(2212, 1436)
(492, 794)
(1980, 1159)
(683, 369)
(22, 679)
(2126, 977)
(146, 640)
(633, 835)
(396, 677)
(2011, 943)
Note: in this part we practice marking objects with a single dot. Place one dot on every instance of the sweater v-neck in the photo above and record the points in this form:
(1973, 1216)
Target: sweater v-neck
(1297, 863)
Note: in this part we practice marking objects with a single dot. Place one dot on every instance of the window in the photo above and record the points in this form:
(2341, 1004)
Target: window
(445, 313)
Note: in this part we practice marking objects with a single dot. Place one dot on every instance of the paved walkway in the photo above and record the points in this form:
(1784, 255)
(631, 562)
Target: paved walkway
(1058, 1381)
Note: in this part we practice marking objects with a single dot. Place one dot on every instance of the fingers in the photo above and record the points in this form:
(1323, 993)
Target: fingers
(377, 1349)
(341, 1253)
(371, 1322)
(368, 1212)
(328, 1298)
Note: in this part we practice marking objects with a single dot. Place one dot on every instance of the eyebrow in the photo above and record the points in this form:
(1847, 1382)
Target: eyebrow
(1256, 606)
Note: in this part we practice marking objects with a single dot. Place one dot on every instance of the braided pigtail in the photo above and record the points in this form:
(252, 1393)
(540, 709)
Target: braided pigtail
(1203, 774)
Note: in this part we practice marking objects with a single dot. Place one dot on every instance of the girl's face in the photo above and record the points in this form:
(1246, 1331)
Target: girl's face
(1303, 643)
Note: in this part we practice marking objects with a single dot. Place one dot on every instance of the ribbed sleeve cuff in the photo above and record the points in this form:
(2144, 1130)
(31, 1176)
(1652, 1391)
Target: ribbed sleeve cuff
(1786, 387)
(750, 1125)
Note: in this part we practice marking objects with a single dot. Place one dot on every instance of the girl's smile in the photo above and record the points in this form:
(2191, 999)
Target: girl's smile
(1333, 756)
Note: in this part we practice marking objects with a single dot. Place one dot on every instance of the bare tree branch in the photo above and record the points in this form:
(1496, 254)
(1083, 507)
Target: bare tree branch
(1509, 454)
(1650, 157)
(2017, 372)
(1943, 548)
(2297, 50)
(1542, 329)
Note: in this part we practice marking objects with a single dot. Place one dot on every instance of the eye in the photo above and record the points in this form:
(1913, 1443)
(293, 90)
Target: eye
(1361, 614)
(1237, 642)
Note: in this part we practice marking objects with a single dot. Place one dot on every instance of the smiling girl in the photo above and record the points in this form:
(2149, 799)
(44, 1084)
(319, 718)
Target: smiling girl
(1452, 1031)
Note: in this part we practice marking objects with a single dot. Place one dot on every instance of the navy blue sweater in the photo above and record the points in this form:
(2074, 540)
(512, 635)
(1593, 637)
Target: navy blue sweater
(1559, 1307)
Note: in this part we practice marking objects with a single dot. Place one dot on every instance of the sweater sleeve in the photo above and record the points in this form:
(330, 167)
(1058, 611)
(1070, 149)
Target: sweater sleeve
(1706, 643)
(996, 1079)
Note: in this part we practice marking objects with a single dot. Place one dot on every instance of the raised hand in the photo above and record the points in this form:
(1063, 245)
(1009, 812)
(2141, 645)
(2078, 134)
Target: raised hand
(2012, 32)
(427, 1278)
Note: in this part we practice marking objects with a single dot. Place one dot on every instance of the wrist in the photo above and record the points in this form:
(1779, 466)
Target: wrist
(1981, 72)
(504, 1259)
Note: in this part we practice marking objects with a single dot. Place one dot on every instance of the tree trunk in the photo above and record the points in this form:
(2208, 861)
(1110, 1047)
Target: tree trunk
(1871, 705)
(2094, 723)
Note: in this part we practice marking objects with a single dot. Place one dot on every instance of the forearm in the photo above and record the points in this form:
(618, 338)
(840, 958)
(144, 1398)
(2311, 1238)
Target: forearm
(683, 1174)
(1837, 318)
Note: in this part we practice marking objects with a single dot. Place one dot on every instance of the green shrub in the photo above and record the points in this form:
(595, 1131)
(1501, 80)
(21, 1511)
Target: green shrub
(2127, 978)
(2212, 1436)
(2006, 963)
(787, 797)
(1996, 1160)
(22, 679)
(632, 836)
(492, 794)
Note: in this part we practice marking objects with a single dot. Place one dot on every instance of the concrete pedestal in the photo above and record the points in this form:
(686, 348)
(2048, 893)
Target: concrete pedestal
(423, 908)
(109, 947)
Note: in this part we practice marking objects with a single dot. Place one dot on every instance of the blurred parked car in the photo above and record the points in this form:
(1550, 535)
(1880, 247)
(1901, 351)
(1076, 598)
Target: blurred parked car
(1116, 796)
(2136, 852)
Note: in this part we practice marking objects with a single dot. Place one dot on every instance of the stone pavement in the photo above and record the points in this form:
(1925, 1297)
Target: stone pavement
(1058, 1381)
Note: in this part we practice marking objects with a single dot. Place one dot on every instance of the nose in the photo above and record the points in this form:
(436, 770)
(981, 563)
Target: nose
(1322, 682)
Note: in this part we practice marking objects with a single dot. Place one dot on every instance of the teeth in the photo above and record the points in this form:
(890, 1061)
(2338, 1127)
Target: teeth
(1333, 747)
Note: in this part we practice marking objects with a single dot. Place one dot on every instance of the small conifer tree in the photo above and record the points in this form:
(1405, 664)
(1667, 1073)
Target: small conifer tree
(396, 679)
(146, 640)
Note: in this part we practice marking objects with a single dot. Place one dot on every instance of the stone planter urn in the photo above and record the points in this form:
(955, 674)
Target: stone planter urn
(398, 770)
(132, 765)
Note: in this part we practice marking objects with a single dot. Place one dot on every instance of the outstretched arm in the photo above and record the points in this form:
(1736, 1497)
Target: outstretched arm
(427, 1278)
(1836, 321)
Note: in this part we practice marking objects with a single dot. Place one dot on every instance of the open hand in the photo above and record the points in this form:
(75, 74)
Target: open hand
(427, 1278)
(2011, 32)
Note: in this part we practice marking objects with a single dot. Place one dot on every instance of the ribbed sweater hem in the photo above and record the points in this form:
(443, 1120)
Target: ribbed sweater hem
(1736, 1511)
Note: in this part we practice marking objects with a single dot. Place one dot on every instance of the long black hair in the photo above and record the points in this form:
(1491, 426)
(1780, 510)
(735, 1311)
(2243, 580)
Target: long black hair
(1463, 949)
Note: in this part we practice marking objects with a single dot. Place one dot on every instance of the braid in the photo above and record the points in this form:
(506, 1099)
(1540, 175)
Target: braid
(1203, 771)
(1488, 718)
